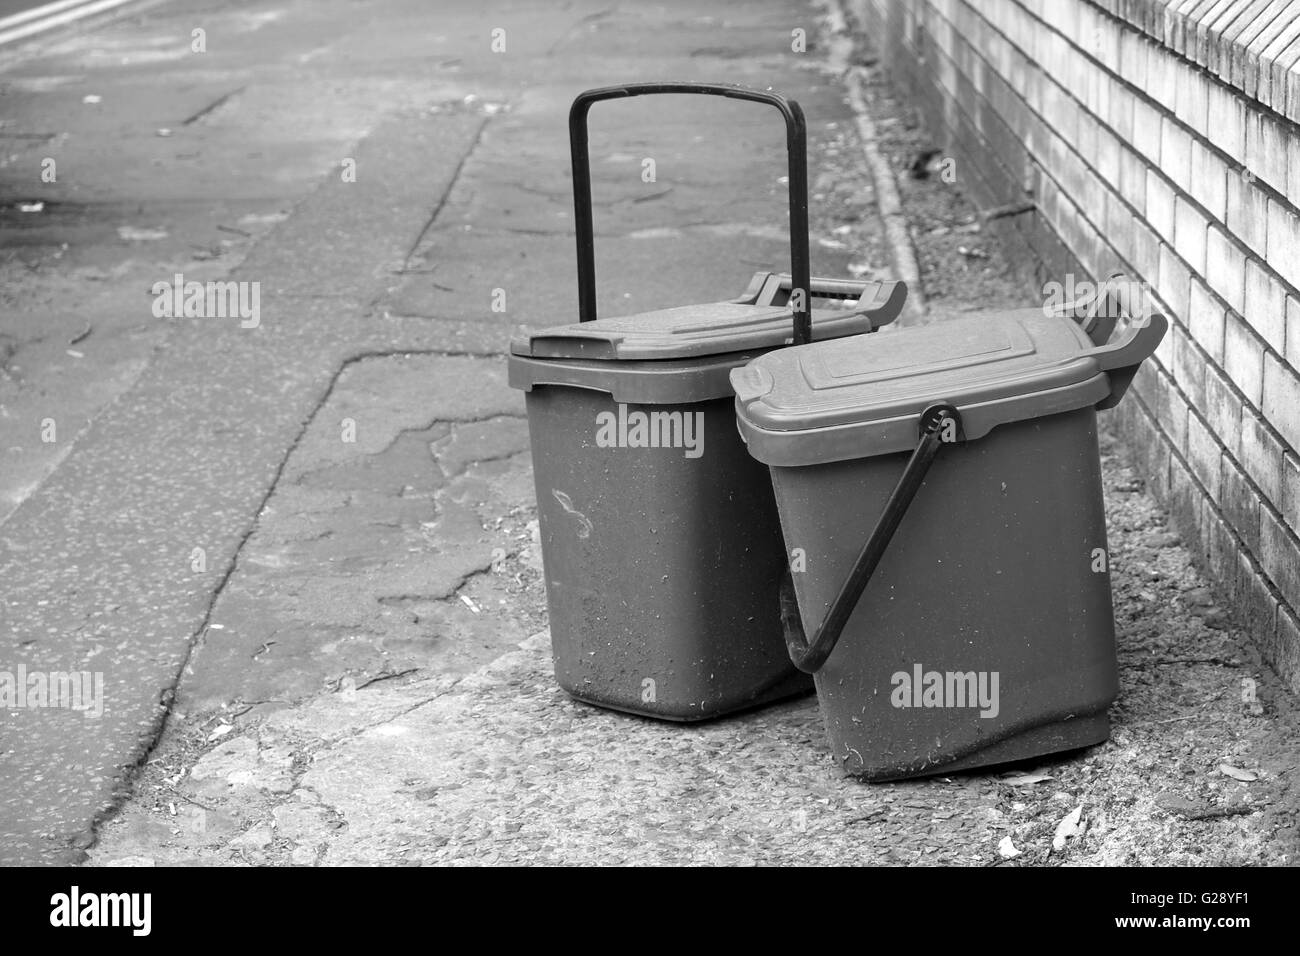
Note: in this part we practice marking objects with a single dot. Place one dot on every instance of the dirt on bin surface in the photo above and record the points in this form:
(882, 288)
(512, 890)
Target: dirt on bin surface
(489, 762)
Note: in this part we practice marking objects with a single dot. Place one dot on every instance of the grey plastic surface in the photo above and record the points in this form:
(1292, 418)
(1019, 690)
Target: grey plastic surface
(993, 571)
(714, 328)
(855, 398)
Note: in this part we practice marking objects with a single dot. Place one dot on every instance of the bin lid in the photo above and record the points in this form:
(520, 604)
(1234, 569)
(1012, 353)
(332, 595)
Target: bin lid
(713, 328)
(859, 397)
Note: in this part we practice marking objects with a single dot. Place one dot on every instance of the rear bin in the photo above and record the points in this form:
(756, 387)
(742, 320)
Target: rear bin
(945, 485)
(661, 546)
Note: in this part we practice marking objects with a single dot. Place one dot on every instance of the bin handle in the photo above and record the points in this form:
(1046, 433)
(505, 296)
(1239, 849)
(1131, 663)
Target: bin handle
(937, 423)
(796, 147)
(1122, 358)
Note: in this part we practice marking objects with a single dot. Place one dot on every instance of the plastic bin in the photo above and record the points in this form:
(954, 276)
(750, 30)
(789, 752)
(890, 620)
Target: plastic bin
(661, 546)
(982, 632)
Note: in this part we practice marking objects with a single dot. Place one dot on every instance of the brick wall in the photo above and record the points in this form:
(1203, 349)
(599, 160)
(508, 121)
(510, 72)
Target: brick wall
(1160, 138)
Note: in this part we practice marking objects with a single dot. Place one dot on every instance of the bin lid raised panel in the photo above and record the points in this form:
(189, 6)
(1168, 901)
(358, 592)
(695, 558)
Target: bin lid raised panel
(862, 396)
(689, 331)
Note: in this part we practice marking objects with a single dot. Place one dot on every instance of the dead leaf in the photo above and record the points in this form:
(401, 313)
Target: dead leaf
(1068, 827)
(1025, 779)
(1236, 773)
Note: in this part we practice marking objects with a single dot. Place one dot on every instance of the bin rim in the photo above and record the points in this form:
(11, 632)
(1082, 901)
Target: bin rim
(756, 321)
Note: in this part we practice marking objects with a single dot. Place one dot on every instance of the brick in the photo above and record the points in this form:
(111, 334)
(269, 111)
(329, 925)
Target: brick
(1263, 49)
(1285, 653)
(1133, 180)
(1209, 181)
(1280, 556)
(1092, 199)
(1190, 104)
(1203, 456)
(1160, 205)
(1147, 127)
(1211, 28)
(1222, 409)
(1119, 111)
(1133, 58)
(1061, 111)
(1185, 499)
(1105, 34)
(1172, 281)
(1164, 353)
(1118, 230)
(1288, 76)
(1247, 212)
(1162, 76)
(1226, 126)
(1265, 306)
(1243, 359)
(1205, 320)
(1282, 399)
(1239, 503)
(1272, 84)
(1273, 159)
(1098, 95)
(1189, 369)
(1253, 160)
(1257, 605)
(1284, 242)
(1225, 268)
(1189, 235)
(1107, 155)
(1146, 255)
(1293, 331)
(1293, 169)
(1261, 456)
(1174, 422)
(1176, 153)
(1290, 499)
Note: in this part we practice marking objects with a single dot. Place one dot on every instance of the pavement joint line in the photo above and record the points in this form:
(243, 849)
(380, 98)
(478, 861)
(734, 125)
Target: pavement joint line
(446, 193)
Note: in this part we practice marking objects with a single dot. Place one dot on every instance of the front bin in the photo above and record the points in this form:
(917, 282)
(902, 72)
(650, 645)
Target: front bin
(661, 546)
(945, 485)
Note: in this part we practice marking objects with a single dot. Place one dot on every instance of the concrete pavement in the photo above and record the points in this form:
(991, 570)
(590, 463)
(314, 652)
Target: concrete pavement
(172, 435)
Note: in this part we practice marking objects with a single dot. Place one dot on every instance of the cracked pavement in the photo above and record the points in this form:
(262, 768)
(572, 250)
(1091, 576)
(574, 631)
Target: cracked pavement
(193, 481)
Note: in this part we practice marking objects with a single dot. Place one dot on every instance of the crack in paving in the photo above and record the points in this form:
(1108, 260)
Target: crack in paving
(151, 736)
(451, 185)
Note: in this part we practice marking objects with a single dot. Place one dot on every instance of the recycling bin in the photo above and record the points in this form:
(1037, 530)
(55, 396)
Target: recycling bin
(944, 483)
(661, 546)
